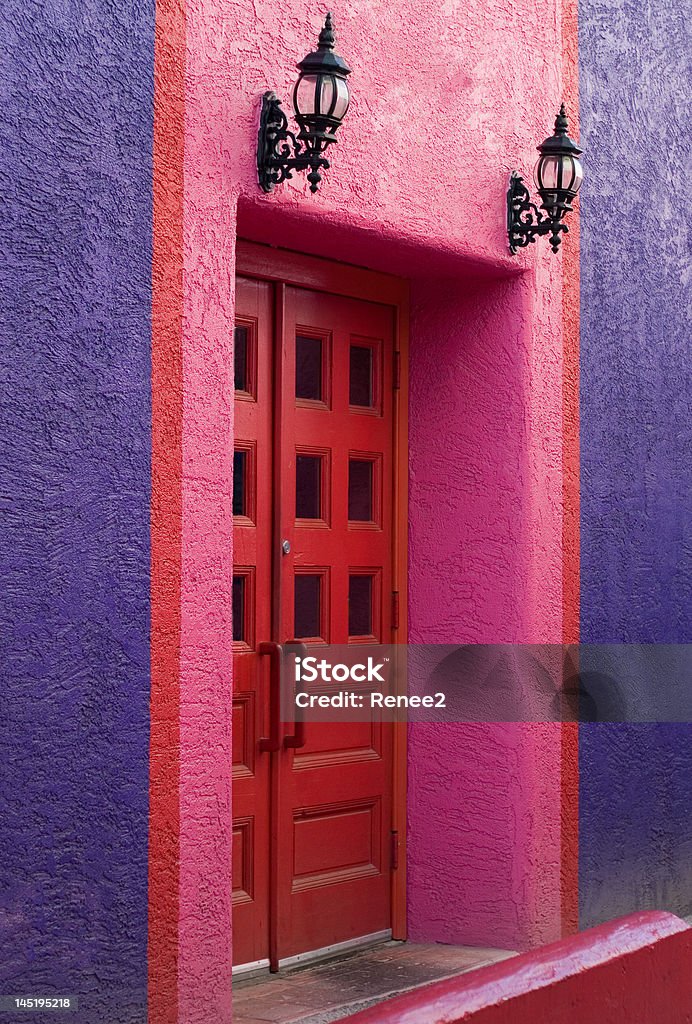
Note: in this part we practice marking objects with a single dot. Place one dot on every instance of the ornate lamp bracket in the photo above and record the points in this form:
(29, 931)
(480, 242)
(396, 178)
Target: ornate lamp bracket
(279, 152)
(558, 176)
(525, 222)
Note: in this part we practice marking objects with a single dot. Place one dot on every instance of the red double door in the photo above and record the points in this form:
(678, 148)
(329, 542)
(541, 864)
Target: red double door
(312, 496)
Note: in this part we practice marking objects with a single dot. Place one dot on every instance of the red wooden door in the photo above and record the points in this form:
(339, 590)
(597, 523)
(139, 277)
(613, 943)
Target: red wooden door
(334, 835)
(320, 863)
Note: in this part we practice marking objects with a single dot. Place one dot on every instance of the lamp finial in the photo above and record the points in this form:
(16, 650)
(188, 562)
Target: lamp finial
(561, 121)
(327, 38)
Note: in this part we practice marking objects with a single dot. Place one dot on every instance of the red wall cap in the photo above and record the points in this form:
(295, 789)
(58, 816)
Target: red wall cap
(635, 970)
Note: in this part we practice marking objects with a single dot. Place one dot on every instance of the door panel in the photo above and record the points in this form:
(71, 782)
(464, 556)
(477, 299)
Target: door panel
(327, 403)
(335, 793)
(252, 500)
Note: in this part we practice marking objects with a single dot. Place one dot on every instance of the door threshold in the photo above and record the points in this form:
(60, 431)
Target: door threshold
(249, 970)
(323, 993)
(313, 956)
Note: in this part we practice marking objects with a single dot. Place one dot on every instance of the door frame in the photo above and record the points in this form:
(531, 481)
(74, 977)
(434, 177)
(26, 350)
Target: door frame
(285, 267)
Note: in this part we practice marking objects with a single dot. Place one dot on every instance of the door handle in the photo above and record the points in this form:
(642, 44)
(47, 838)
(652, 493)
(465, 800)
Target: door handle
(298, 739)
(272, 742)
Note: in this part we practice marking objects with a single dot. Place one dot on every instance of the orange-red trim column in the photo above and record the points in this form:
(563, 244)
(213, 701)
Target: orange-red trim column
(166, 510)
(569, 869)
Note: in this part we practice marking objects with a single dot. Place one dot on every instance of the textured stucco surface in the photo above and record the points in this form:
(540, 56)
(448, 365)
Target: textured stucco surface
(447, 99)
(75, 179)
(479, 83)
(204, 978)
(636, 437)
(166, 510)
(484, 800)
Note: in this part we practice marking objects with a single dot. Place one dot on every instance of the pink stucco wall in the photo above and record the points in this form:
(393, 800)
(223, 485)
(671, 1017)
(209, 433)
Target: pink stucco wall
(448, 97)
(484, 550)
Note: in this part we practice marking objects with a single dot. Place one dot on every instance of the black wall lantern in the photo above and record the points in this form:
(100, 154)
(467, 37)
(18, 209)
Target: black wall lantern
(558, 176)
(320, 102)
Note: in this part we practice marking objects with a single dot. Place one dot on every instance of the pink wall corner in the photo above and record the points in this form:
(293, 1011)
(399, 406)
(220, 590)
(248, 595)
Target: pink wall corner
(485, 566)
(209, 225)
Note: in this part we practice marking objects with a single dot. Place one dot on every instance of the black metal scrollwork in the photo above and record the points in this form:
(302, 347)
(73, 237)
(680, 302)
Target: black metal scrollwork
(280, 153)
(525, 222)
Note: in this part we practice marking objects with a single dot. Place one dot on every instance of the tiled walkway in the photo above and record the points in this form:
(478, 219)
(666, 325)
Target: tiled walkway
(328, 991)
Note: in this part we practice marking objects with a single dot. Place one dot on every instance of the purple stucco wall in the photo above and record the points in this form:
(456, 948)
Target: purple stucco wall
(75, 188)
(636, 438)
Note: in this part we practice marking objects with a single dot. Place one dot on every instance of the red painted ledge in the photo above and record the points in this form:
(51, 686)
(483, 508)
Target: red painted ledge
(634, 970)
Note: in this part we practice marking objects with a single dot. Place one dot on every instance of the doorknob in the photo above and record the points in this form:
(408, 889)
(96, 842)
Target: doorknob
(298, 739)
(272, 743)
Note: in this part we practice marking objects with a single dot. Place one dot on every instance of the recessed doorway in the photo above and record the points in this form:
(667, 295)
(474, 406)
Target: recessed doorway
(319, 557)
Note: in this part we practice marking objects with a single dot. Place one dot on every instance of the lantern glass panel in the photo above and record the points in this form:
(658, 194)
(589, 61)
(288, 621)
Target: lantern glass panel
(327, 95)
(547, 172)
(306, 95)
(578, 174)
(342, 99)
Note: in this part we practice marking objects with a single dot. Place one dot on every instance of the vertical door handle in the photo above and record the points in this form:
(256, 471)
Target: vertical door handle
(272, 742)
(298, 739)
